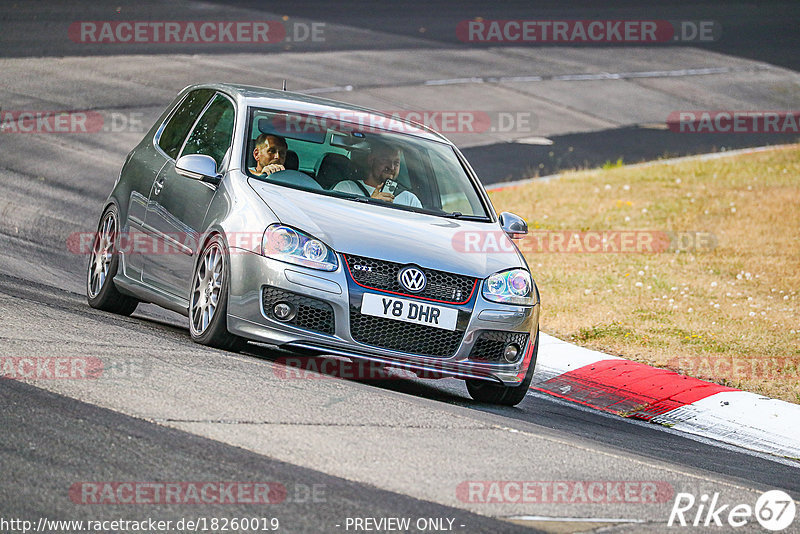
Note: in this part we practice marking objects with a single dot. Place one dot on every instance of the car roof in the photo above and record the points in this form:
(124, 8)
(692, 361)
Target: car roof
(249, 95)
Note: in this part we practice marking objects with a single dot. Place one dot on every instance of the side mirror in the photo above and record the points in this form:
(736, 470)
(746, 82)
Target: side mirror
(513, 225)
(198, 167)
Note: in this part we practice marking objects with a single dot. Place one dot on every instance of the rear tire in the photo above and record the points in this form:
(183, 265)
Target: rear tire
(103, 264)
(484, 391)
(208, 303)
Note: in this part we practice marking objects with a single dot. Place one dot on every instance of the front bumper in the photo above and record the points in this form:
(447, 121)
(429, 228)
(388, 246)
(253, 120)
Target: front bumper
(336, 291)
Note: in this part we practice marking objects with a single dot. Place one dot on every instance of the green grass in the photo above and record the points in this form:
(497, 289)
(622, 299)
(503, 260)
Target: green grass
(731, 293)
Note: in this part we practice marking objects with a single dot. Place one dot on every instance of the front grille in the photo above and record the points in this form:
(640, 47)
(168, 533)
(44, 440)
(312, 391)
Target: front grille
(402, 336)
(382, 275)
(490, 344)
(312, 314)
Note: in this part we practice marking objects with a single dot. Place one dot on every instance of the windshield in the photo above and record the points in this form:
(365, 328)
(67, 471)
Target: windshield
(357, 161)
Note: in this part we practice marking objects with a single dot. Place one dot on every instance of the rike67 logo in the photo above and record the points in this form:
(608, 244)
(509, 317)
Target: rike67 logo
(774, 510)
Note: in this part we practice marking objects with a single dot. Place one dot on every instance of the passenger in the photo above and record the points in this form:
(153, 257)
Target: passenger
(383, 163)
(270, 154)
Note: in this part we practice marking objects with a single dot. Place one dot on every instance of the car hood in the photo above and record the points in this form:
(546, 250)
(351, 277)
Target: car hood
(464, 247)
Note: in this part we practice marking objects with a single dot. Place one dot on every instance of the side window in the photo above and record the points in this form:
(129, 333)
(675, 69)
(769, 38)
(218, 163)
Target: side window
(214, 131)
(178, 126)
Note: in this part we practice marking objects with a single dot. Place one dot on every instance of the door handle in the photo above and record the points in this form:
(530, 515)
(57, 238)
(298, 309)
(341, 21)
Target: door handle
(158, 185)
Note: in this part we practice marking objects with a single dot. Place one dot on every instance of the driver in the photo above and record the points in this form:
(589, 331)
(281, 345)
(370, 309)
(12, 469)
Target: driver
(383, 163)
(270, 154)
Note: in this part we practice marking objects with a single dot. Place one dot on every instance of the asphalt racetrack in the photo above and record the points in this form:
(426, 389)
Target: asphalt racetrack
(346, 454)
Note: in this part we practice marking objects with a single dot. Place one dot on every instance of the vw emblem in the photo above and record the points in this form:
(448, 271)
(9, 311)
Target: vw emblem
(412, 279)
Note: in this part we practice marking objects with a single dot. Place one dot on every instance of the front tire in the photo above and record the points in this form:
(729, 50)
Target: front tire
(103, 264)
(208, 303)
(484, 391)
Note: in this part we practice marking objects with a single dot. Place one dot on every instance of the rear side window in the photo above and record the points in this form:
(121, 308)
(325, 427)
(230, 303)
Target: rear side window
(213, 133)
(177, 128)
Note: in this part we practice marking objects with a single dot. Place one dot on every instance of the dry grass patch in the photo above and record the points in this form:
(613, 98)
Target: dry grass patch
(726, 311)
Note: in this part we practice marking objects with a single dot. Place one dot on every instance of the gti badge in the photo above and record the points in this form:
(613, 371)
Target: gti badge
(412, 279)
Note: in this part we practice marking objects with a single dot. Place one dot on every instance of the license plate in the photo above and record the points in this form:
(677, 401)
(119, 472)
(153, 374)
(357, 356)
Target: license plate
(410, 311)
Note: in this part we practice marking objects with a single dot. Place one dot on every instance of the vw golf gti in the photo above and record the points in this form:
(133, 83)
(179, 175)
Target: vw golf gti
(322, 228)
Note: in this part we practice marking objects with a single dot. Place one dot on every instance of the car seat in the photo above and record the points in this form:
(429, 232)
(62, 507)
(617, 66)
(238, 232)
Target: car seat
(334, 168)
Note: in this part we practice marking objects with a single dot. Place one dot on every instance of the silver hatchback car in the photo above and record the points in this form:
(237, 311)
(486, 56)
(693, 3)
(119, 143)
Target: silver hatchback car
(322, 228)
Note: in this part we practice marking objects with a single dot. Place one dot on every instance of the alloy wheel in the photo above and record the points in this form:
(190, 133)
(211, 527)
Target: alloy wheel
(207, 288)
(102, 254)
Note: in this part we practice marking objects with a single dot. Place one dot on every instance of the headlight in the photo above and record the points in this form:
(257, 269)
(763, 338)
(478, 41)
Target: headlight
(509, 287)
(292, 246)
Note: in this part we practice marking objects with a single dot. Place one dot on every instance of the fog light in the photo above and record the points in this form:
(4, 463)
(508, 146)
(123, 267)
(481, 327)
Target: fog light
(283, 311)
(511, 352)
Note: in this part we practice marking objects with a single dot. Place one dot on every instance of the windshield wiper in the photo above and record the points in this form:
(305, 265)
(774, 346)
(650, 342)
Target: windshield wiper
(364, 200)
(459, 215)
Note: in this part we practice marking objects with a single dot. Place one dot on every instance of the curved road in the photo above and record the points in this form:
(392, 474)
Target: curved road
(167, 410)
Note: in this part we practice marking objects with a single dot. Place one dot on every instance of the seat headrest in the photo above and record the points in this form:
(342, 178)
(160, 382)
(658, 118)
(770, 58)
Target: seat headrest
(333, 168)
(292, 162)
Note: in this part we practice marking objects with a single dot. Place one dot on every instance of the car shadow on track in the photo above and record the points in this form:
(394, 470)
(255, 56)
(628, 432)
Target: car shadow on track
(293, 366)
